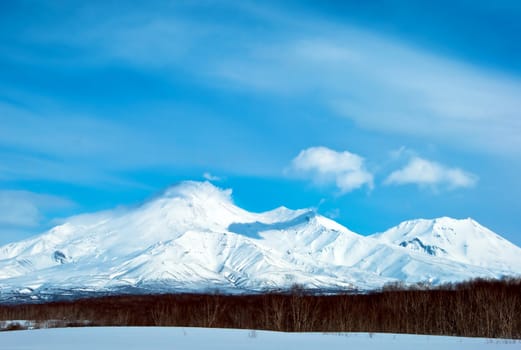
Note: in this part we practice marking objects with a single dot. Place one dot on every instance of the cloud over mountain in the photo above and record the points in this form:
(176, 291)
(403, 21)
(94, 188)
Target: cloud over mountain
(424, 172)
(324, 166)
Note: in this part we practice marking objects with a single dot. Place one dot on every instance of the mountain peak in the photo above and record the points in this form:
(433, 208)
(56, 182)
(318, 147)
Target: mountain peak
(447, 220)
(462, 240)
(202, 190)
(440, 225)
(451, 221)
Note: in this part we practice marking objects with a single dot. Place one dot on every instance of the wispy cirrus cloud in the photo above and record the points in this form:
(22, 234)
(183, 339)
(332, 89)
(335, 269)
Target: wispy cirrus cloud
(405, 91)
(423, 172)
(24, 209)
(25, 213)
(58, 144)
(210, 177)
(344, 170)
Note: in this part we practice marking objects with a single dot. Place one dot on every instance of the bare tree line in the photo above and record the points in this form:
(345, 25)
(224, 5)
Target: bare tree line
(477, 309)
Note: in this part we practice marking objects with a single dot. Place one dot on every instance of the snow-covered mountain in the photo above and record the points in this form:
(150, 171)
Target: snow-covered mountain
(464, 241)
(194, 238)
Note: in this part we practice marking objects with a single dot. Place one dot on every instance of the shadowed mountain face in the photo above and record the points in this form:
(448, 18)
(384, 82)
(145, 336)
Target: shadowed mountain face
(253, 229)
(417, 244)
(194, 238)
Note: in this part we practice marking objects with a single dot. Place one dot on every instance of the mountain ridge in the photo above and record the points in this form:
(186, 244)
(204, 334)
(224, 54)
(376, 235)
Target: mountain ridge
(194, 238)
(462, 240)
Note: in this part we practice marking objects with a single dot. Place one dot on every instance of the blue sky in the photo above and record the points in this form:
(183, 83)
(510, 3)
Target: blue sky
(371, 112)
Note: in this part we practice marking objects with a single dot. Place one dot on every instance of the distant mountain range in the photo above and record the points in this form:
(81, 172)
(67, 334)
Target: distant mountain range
(193, 238)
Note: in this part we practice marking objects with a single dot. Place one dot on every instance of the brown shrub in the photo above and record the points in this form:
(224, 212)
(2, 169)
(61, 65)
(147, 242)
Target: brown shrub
(478, 309)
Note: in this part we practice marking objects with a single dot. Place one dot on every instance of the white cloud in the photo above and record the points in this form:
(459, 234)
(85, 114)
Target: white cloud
(324, 166)
(25, 209)
(208, 176)
(423, 172)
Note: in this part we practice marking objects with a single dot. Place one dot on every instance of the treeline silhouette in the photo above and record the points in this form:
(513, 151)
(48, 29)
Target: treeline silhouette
(479, 308)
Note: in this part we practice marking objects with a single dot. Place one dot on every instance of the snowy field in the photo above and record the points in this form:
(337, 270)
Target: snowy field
(158, 338)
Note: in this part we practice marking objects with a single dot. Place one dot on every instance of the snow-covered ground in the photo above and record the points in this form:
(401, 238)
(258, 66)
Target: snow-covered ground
(158, 338)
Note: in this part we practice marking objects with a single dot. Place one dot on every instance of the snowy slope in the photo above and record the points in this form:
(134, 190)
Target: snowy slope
(464, 241)
(116, 338)
(194, 238)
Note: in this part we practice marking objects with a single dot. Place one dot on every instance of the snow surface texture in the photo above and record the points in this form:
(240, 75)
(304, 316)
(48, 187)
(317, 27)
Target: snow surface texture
(194, 238)
(199, 338)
